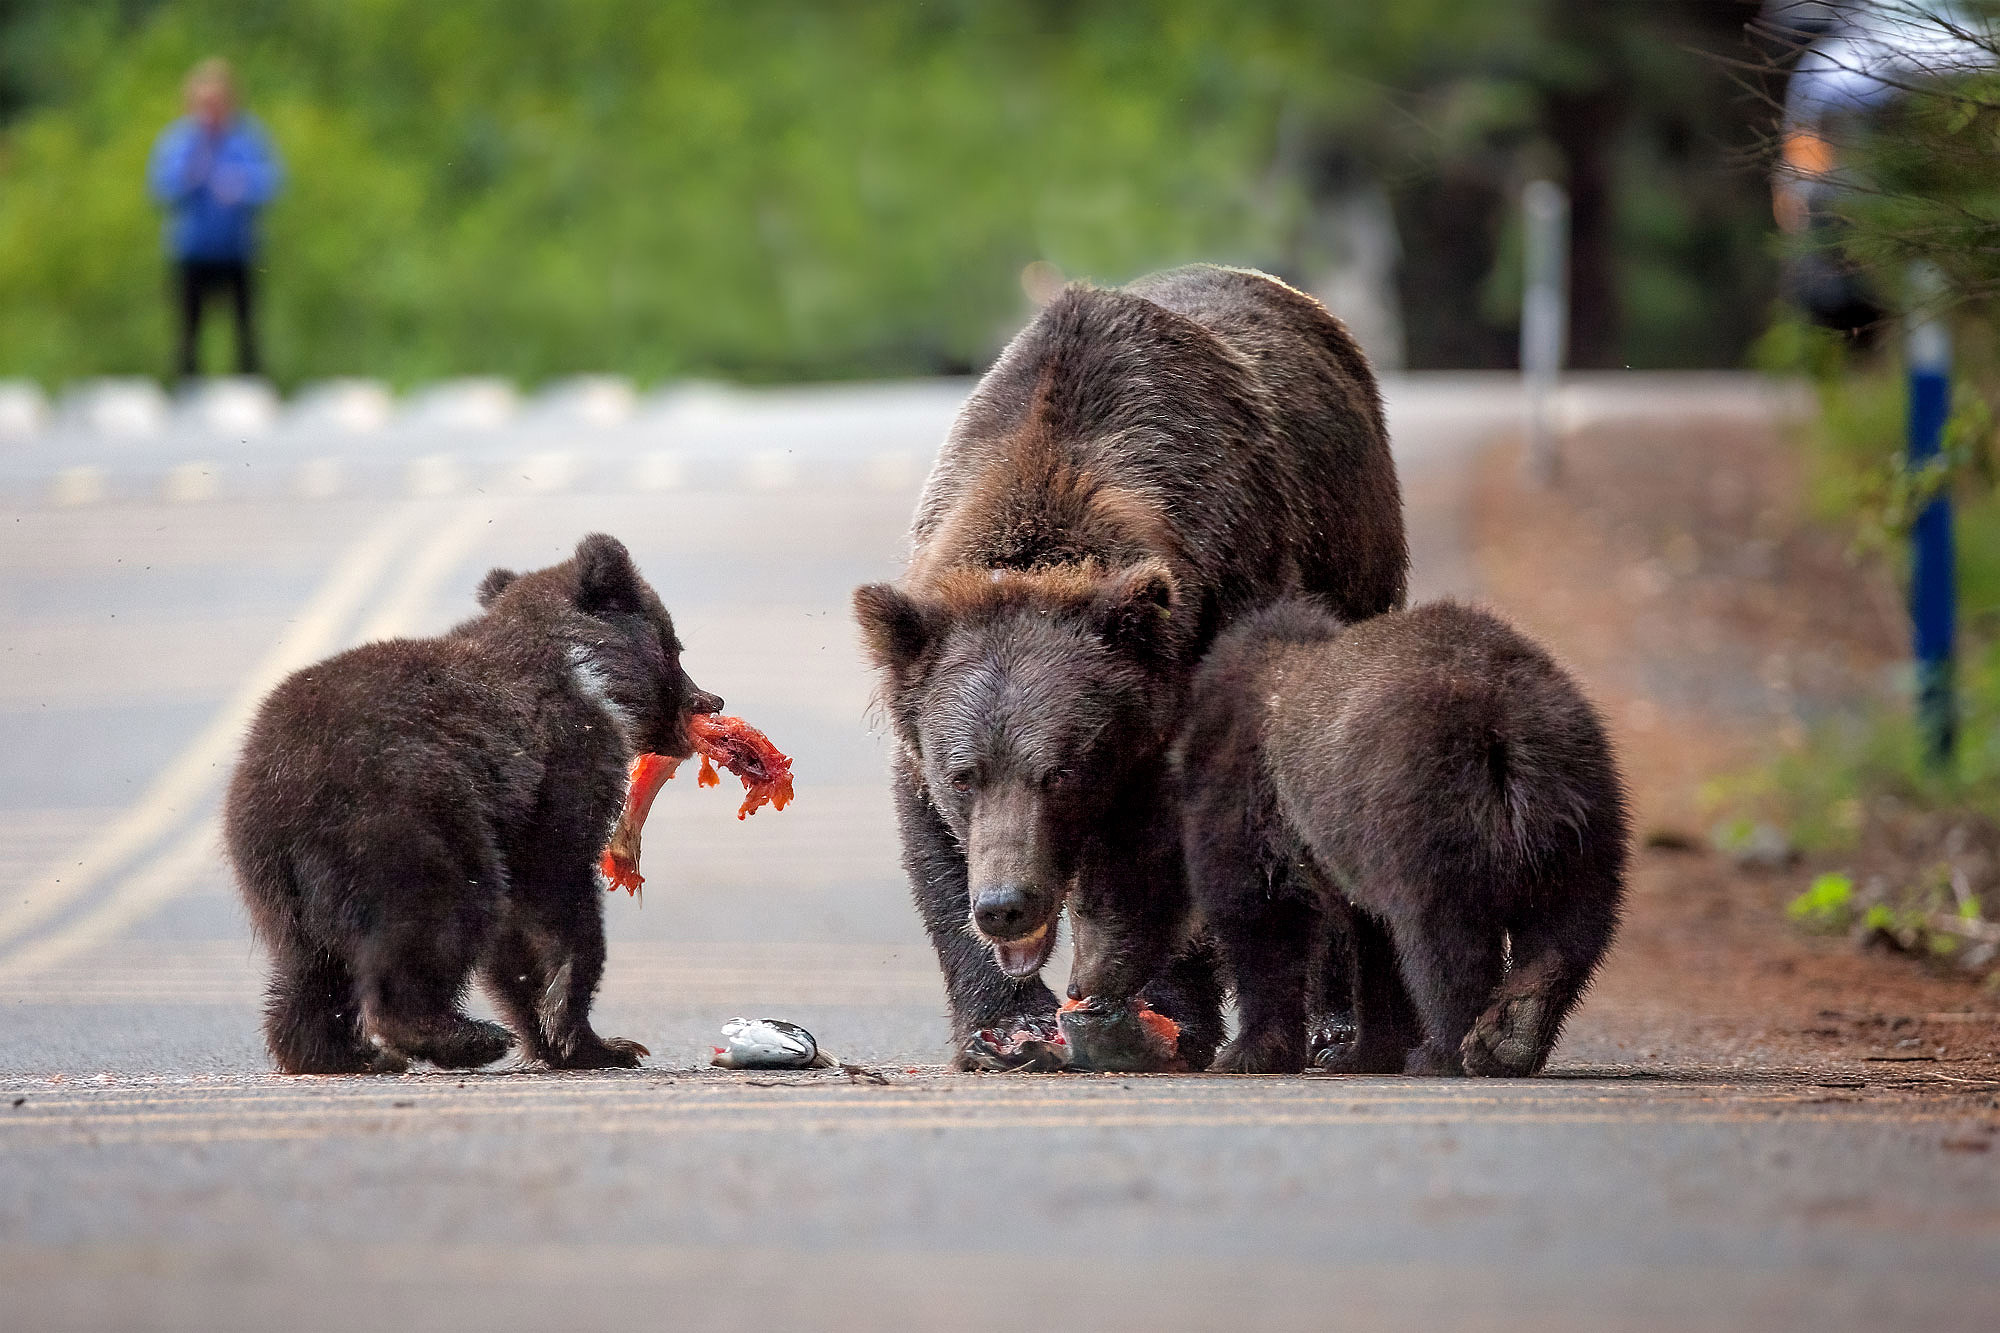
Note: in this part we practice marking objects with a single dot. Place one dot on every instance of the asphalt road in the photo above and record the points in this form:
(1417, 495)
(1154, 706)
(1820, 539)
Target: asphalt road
(153, 583)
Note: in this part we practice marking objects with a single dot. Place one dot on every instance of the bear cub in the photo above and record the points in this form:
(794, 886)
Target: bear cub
(411, 812)
(1416, 818)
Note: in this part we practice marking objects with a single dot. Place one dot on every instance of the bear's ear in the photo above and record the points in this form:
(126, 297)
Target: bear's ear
(606, 578)
(1134, 609)
(495, 583)
(897, 628)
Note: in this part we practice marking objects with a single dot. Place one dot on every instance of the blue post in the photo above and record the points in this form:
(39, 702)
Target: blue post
(1933, 590)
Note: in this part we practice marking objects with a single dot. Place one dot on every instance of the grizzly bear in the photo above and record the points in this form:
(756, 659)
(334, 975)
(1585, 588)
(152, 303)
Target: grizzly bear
(1138, 468)
(410, 811)
(1421, 809)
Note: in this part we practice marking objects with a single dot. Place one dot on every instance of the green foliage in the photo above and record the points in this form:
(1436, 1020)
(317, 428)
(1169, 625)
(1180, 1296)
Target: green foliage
(1859, 480)
(1827, 906)
(780, 189)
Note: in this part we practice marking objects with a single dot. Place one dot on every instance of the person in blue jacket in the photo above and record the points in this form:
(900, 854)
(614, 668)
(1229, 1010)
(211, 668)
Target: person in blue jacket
(212, 170)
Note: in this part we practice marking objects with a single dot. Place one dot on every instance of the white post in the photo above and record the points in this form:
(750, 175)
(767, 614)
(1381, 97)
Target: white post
(1544, 316)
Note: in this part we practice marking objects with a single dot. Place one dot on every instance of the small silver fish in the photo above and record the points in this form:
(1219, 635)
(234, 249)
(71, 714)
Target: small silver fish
(768, 1043)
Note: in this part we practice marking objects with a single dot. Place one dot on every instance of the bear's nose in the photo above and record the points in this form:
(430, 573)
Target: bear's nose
(1004, 913)
(704, 702)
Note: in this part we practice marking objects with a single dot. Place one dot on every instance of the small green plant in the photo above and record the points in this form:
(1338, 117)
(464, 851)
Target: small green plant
(1827, 906)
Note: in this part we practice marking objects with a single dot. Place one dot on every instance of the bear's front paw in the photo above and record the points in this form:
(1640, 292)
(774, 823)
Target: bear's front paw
(1330, 1039)
(593, 1052)
(1027, 1042)
(1361, 1057)
(1265, 1053)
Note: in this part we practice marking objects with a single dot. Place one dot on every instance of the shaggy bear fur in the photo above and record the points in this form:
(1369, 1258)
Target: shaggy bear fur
(410, 811)
(1422, 807)
(1138, 468)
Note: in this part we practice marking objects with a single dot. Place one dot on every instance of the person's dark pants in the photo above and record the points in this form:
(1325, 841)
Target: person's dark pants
(200, 279)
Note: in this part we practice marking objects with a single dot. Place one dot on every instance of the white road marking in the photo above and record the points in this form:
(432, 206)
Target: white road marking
(659, 471)
(545, 473)
(140, 894)
(319, 478)
(428, 569)
(435, 474)
(81, 485)
(137, 896)
(770, 471)
(176, 792)
(189, 483)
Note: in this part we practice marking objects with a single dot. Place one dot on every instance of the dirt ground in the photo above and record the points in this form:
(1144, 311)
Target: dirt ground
(1674, 571)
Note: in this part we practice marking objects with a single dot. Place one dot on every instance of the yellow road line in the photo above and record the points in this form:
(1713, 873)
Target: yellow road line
(426, 572)
(557, 1099)
(137, 897)
(712, 1121)
(172, 795)
(315, 633)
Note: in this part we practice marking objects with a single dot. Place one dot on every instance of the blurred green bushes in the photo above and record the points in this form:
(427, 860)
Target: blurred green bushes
(782, 189)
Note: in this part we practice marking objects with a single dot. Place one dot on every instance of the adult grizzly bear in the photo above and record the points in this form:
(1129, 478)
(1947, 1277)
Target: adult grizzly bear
(1421, 809)
(1139, 467)
(410, 812)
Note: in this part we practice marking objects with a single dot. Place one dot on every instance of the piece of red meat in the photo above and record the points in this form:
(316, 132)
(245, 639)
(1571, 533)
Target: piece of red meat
(766, 773)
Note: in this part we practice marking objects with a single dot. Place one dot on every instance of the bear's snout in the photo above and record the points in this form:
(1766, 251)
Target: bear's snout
(1007, 912)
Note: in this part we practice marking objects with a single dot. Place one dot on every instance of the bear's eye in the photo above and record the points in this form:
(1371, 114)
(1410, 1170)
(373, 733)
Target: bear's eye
(962, 780)
(1061, 777)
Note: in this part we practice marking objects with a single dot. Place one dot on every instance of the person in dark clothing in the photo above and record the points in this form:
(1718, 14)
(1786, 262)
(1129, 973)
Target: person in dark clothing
(213, 170)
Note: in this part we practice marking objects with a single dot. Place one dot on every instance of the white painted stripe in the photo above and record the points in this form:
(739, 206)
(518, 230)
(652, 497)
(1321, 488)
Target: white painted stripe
(771, 470)
(80, 485)
(426, 571)
(319, 479)
(545, 473)
(175, 793)
(435, 474)
(136, 897)
(143, 892)
(189, 483)
(659, 471)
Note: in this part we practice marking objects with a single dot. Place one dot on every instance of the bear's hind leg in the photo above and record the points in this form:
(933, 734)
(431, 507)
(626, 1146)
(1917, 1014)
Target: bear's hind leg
(1554, 955)
(412, 964)
(312, 1016)
(1268, 954)
(1451, 965)
(513, 976)
(1386, 1027)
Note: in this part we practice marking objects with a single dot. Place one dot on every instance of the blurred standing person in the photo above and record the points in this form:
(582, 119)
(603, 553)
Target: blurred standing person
(212, 170)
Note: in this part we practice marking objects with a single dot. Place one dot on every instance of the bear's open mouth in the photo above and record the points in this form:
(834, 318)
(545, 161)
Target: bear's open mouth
(1024, 957)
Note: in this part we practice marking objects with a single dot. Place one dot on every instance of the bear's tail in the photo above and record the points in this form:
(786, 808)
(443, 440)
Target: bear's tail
(1516, 772)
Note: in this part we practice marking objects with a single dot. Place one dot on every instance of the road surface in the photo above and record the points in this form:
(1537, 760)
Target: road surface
(157, 574)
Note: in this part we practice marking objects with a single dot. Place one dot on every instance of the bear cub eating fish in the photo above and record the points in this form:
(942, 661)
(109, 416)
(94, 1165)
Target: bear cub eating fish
(1418, 814)
(410, 812)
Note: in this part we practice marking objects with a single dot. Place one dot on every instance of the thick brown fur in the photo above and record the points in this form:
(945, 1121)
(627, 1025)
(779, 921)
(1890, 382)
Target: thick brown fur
(412, 811)
(1422, 807)
(1140, 467)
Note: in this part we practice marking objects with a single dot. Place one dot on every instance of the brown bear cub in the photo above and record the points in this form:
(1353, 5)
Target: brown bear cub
(1417, 815)
(1139, 468)
(412, 811)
